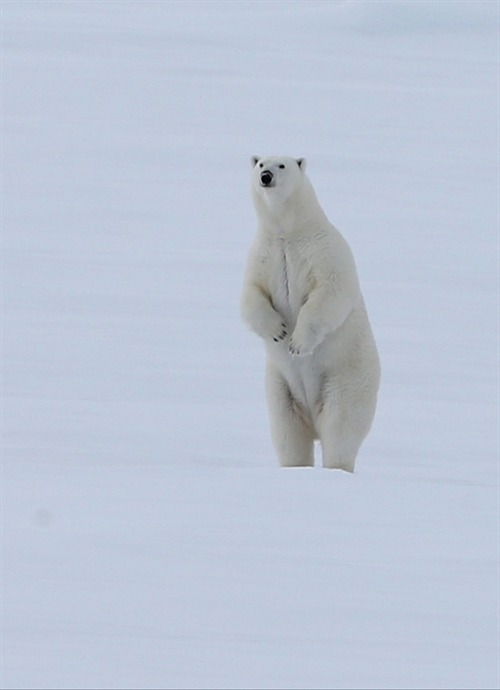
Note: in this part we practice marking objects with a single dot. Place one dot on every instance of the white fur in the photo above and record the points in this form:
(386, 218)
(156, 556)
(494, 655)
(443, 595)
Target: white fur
(302, 297)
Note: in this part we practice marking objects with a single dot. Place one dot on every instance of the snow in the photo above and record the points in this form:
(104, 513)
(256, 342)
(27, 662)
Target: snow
(148, 538)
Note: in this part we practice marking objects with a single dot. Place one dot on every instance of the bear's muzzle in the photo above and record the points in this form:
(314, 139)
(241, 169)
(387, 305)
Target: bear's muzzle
(266, 178)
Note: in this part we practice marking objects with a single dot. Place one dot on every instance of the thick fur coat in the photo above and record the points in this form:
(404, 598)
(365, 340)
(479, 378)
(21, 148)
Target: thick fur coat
(302, 297)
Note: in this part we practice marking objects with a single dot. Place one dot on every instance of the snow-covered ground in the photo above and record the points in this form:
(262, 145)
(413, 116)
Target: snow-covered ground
(149, 539)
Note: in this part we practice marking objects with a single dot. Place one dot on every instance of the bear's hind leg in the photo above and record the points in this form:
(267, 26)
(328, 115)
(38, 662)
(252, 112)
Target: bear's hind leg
(343, 428)
(293, 437)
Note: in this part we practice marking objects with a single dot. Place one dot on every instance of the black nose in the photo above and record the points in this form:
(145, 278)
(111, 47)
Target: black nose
(266, 178)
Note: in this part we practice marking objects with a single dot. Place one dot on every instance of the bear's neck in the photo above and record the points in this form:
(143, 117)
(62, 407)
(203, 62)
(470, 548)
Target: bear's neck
(295, 216)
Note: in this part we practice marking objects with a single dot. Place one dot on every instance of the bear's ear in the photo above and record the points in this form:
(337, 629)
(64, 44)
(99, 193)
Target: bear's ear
(254, 160)
(301, 162)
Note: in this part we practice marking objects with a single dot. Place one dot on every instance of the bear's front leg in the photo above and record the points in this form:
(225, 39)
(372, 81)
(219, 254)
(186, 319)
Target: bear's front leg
(309, 331)
(258, 312)
(323, 312)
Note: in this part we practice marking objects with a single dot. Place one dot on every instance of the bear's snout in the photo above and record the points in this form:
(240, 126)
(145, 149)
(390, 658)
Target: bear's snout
(266, 178)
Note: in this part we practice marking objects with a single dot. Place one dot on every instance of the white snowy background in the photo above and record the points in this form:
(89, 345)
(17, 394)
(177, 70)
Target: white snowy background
(149, 538)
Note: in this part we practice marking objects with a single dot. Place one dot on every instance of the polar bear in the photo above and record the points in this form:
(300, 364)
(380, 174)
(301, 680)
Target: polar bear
(302, 297)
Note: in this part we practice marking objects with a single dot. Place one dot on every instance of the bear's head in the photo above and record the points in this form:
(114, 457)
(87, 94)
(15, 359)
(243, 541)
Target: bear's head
(276, 178)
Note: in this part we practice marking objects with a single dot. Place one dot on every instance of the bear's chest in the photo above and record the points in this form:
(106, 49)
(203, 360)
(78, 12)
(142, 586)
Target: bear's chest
(288, 281)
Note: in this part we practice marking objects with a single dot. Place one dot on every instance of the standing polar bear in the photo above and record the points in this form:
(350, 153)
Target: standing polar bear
(302, 297)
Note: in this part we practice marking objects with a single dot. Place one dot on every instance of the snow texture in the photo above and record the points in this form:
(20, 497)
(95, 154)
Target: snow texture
(148, 538)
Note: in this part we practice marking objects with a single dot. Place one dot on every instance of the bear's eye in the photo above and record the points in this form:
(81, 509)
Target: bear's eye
(282, 166)
(261, 165)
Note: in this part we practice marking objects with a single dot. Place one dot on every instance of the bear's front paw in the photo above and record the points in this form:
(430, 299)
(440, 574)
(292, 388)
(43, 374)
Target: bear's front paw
(280, 333)
(272, 325)
(267, 324)
(300, 346)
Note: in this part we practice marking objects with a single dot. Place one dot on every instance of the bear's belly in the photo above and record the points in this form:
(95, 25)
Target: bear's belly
(305, 378)
(344, 365)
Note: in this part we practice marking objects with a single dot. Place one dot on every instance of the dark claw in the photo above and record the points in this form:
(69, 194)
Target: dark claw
(282, 335)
